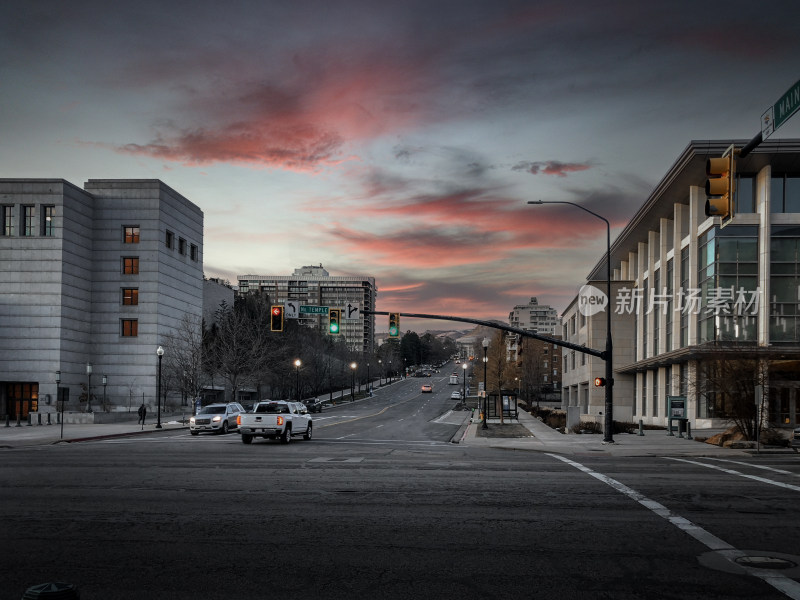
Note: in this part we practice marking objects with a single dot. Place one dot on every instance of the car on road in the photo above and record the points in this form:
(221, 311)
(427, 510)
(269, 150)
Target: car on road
(427, 388)
(314, 404)
(456, 395)
(796, 438)
(217, 418)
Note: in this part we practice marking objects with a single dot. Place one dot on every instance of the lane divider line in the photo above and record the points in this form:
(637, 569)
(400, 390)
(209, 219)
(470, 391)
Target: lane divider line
(789, 587)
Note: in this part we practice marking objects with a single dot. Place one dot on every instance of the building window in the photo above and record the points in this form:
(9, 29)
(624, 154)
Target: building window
(643, 392)
(654, 380)
(131, 234)
(48, 221)
(181, 246)
(670, 305)
(130, 296)
(684, 341)
(785, 194)
(130, 265)
(28, 220)
(784, 284)
(728, 282)
(193, 252)
(8, 220)
(745, 198)
(130, 327)
(170, 240)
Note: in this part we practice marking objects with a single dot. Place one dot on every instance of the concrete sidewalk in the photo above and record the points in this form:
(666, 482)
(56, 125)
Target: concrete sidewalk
(37, 435)
(539, 437)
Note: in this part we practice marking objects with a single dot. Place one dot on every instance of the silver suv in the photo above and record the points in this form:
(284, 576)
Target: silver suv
(220, 418)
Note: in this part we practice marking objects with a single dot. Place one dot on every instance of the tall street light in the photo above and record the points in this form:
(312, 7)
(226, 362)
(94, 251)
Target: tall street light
(464, 393)
(485, 395)
(609, 353)
(88, 387)
(160, 353)
(58, 398)
(380, 373)
(353, 367)
(297, 364)
(105, 381)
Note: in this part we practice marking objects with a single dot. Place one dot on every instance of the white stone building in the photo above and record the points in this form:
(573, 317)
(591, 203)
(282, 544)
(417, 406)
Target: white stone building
(94, 276)
(681, 279)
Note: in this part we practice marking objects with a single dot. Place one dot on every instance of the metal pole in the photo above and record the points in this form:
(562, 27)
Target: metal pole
(485, 395)
(608, 354)
(158, 390)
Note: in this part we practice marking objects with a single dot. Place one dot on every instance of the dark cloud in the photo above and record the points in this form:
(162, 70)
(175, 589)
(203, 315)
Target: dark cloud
(551, 167)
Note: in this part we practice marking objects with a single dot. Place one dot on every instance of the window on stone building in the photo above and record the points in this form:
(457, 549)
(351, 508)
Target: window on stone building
(130, 234)
(130, 327)
(130, 296)
(130, 265)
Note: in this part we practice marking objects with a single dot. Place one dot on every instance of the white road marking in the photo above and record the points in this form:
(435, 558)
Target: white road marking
(789, 587)
(786, 486)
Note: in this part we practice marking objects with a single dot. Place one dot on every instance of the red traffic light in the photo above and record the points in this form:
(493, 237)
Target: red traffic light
(599, 382)
(276, 318)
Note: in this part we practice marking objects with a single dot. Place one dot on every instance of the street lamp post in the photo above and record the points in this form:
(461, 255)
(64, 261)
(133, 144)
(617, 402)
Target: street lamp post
(464, 392)
(105, 381)
(369, 386)
(608, 434)
(88, 387)
(297, 364)
(160, 353)
(58, 398)
(485, 395)
(380, 373)
(353, 367)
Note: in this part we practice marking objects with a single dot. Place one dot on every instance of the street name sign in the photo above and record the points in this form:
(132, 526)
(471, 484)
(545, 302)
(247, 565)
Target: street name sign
(777, 114)
(313, 310)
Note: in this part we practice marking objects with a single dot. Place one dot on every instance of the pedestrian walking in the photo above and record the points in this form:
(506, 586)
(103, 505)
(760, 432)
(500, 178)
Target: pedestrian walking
(142, 413)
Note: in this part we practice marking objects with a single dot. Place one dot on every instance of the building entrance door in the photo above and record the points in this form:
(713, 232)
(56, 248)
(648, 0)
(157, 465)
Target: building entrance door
(784, 404)
(21, 399)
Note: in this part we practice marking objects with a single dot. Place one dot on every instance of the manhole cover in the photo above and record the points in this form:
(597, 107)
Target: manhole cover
(765, 562)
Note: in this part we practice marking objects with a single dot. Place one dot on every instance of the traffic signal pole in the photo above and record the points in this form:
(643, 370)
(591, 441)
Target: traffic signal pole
(501, 326)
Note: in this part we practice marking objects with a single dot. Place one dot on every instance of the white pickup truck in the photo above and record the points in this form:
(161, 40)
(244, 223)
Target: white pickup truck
(275, 420)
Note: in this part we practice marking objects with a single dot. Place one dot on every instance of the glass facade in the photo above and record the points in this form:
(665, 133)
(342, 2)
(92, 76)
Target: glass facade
(784, 284)
(728, 283)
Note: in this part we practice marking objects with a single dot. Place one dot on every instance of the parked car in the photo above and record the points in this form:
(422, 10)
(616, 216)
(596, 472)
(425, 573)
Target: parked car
(219, 418)
(427, 388)
(796, 438)
(314, 404)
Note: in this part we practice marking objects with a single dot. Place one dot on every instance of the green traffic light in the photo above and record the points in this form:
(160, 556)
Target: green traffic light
(334, 328)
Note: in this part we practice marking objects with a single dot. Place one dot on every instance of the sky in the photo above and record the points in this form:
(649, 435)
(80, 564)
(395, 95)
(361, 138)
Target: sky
(399, 140)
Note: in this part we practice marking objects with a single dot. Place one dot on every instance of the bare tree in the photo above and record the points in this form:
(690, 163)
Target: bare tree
(184, 353)
(726, 381)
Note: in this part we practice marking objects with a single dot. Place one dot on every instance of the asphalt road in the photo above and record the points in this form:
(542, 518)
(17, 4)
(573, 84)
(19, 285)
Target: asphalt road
(380, 504)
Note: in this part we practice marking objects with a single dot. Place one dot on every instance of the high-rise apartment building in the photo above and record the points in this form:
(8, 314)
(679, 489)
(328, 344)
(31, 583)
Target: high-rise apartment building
(535, 317)
(314, 286)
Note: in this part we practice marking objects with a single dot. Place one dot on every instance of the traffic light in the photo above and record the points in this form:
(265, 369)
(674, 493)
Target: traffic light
(599, 382)
(334, 317)
(394, 324)
(720, 185)
(276, 318)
